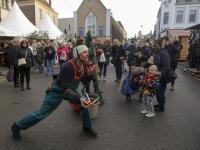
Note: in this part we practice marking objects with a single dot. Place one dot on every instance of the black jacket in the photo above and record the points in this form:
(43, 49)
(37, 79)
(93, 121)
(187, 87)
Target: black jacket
(6, 57)
(198, 48)
(48, 55)
(192, 50)
(131, 50)
(21, 53)
(70, 56)
(106, 49)
(121, 53)
(12, 49)
(173, 51)
(40, 55)
(145, 56)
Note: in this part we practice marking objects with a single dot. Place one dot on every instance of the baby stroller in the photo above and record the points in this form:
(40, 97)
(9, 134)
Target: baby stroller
(136, 74)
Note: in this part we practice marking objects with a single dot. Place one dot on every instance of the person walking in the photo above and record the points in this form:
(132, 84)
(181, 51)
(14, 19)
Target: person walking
(50, 53)
(62, 52)
(12, 49)
(26, 53)
(131, 51)
(142, 54)
(40, 57)
(71, 49)
(198, 54)
(192, 51)
(173, 47)
(103, 62)
(162, 61)
(118, 53)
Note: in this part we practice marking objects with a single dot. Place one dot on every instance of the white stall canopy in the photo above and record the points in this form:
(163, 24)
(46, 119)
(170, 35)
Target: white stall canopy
(48, 25)
(6, 32)
(16, 21)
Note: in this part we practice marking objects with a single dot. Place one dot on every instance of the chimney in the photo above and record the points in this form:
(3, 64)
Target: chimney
(49, 3)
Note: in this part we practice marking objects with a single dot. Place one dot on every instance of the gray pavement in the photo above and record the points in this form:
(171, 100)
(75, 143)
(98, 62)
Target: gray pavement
(119, 123)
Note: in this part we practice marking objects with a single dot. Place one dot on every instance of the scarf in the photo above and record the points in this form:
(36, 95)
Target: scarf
(78, 69)
(149, 79)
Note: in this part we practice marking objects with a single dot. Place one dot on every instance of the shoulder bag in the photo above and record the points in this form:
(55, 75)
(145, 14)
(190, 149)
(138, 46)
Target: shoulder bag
(22, 61)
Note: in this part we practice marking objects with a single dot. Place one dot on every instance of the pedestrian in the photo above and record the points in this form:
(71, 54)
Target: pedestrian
(173, 47)
(192, 52)
(62, 52)
(12, 49)
(142, 54)
(131, 51)
(6, 55)
(50, 53)
(162, 61)
(64, 87)
(34, 48)
(98, 44)
(126, 45)
(43, 44)
(118, 53)
(104, 62)
(40, 57)
(150, 86)
(55, 46)
(26, 53)
(71, 49)
(73, 43)
(198, 54)
(148, 47)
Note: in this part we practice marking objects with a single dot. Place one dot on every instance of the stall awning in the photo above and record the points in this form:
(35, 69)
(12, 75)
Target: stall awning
(197, 27)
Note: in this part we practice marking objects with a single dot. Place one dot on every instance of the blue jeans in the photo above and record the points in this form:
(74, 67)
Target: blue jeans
(118, 70)
(104, 68)
(161, 93)
(61, 62)
(198, 62)
(41, 67)
(50, 63)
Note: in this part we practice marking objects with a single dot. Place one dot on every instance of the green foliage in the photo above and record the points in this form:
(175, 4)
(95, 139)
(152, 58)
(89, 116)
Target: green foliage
(79, 42)
(65, 37)
(37, 35)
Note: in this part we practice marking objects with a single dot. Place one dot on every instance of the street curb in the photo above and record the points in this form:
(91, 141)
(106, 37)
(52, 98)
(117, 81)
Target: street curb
(32, 71)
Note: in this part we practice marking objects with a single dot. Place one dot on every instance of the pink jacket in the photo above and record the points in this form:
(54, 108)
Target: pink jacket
(59, 51)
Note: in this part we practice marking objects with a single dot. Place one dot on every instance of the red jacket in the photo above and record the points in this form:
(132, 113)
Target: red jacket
(59, 51)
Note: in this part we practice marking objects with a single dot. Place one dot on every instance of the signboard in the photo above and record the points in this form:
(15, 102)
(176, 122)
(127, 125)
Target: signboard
(100, 30)
(81, 31)
(164, 34)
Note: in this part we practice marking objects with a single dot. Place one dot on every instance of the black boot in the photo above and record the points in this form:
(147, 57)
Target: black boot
(22, 87)
(159, 109)
(91, 132)
(16, 132)
(28, 86)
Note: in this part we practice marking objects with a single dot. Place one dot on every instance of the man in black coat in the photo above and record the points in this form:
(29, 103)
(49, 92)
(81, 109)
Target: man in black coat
(12, 49)
(131, 49)
(71, 49)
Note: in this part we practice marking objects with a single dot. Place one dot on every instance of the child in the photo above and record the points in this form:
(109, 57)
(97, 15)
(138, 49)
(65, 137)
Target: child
(150, 85)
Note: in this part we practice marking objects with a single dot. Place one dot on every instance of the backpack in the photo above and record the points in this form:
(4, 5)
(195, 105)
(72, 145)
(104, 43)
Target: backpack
(135, 85)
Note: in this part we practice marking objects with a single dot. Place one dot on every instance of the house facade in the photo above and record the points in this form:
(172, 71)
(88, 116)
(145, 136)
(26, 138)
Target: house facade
(5, 6)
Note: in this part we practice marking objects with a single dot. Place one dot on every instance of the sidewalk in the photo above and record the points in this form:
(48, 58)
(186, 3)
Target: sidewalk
(183, 65)
(4, 71)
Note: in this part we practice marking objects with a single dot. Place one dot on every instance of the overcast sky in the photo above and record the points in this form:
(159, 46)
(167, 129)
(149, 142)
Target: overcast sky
(132, 13)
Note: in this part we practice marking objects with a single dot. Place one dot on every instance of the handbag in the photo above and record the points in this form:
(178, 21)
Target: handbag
(114, 59)
(126, 86)
(102, 58)
(22, 61)
(34, 52)
(63, 56)
(170, 76)
(10, 75)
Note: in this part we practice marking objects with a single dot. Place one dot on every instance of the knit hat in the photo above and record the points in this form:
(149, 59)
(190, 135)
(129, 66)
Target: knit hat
(78, 50)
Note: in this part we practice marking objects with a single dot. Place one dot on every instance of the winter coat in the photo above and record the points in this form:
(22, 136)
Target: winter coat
(12, 49)
(131, 50)
(59, 52)
(44, 46)
(145, 56)
(162, 61)
(198, 48)
(106, 49)
(34, 46)
(190, 38)
(121, 53)
(173, 51)
(126, 46)
(21, 53)
(40, 55)
(70, 56)
(49, 56)
(192, 50)
(98, 46)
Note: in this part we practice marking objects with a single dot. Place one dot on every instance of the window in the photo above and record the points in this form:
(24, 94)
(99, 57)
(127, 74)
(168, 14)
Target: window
(90, 1)
(40, 14)
(193, 14)
(54, 19)
(187, 1)
(3, 3)
(91, 24)
(166, 18)
(69, 27)
(179, 17)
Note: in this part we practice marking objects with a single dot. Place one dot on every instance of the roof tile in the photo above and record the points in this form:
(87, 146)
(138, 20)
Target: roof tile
(179, 32)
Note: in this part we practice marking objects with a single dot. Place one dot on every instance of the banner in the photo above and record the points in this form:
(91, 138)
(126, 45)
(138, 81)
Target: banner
(100, 30)
(81, 31)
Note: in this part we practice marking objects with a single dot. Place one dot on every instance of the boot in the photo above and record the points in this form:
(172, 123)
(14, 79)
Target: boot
(172, 87)
(22, 87)
(16, 132)
(90, 132)
(28, 86)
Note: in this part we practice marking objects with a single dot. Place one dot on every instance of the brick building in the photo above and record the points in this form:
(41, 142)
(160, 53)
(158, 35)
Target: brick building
(94, 16)
(35, 10)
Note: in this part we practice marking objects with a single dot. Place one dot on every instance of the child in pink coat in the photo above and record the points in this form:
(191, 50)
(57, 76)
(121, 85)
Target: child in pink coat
(62, 52)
